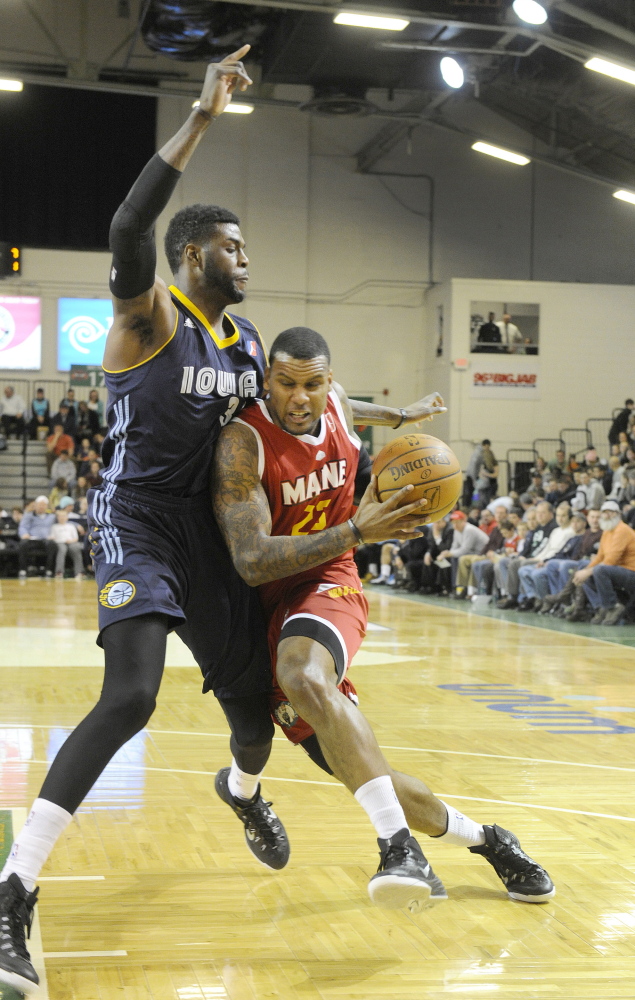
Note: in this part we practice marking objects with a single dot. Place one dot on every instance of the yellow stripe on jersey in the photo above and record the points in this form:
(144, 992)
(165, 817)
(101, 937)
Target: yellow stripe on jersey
(228, 341)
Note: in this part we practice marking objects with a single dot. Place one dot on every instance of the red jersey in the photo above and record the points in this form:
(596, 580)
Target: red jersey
(309, 482)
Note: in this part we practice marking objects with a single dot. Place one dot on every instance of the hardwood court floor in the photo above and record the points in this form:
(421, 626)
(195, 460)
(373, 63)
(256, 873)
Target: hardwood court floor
(176, 909)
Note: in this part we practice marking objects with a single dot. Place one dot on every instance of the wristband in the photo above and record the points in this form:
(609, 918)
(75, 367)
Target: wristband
(403, 417)
(356, 531)
(205, 114)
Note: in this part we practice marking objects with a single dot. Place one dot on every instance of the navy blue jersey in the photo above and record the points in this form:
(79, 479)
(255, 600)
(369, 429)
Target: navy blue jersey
(165, 414)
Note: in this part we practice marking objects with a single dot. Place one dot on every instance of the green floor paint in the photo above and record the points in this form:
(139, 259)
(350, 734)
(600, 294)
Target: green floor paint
(622, 635)
(6, 839)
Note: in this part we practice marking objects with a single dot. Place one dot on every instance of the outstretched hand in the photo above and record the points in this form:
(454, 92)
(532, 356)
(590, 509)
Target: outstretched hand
(424, 409)
(221, 80)
(377, 521)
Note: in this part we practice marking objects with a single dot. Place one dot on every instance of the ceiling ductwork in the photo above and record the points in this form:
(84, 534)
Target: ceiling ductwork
(196, 30)
(334, 101)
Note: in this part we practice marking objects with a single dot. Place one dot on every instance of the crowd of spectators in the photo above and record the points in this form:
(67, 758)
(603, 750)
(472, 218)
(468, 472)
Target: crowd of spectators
(564, 546)
(77, 418)
(44, 539)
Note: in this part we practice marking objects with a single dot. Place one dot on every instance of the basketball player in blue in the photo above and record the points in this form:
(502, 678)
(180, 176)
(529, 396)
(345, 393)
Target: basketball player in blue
(178, 368)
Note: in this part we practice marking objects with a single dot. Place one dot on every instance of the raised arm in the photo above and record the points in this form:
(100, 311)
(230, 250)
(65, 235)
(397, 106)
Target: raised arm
(144, 314)
(242, 513)
(390, 416)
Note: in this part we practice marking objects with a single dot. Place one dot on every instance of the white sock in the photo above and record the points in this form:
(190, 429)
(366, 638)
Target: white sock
(462, 830)
(380, 801)
(385, 570)
(471, 590)
(373, 568)
(34, 843)
(241, 784)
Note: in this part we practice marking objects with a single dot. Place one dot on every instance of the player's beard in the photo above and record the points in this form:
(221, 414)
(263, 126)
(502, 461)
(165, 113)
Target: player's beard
(222, 282)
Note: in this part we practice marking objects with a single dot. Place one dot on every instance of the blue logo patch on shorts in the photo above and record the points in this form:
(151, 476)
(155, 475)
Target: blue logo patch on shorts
(117, 593)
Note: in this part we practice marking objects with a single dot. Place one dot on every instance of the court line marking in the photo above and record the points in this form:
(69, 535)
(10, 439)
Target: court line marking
(382, 746)
(336, 784)
(85, 954)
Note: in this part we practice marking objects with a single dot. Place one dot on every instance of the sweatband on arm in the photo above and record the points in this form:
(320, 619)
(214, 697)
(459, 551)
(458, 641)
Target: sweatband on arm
(134, 255)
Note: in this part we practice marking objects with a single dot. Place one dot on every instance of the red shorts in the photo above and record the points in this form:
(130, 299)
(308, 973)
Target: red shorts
(331, 614)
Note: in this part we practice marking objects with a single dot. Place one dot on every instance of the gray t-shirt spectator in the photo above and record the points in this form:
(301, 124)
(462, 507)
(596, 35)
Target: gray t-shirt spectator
(469, 542)
(63, 468)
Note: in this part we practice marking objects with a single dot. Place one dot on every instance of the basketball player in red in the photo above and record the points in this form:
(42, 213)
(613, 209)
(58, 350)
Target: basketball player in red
(282, 483)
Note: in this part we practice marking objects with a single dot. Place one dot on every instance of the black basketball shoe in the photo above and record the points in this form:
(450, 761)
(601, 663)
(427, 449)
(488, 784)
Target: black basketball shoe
(265, 835)
(404, 878)
(523, 878)
(16, 917)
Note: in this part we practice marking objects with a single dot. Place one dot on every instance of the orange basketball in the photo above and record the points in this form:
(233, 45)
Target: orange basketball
(427, 464)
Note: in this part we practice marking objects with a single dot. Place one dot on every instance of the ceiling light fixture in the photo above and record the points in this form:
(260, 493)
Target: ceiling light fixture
(611, 69)
(236, 109)
(530, 11)
(11, 85)
(501, 154)
(625, 196)
(371, 21)
(452, 72)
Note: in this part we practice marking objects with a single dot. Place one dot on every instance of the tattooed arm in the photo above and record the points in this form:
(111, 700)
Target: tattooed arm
(373, 413)
(244, 518)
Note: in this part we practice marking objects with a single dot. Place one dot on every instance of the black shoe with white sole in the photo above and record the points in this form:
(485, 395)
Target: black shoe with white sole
(523, 878)
(265, 835)
(16, 917)
(404, 878)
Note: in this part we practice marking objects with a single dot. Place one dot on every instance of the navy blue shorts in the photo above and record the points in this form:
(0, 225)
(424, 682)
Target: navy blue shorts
(165, 555)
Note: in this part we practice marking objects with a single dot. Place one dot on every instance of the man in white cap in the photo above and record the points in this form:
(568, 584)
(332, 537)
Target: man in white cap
(34, 532)
(613, 566)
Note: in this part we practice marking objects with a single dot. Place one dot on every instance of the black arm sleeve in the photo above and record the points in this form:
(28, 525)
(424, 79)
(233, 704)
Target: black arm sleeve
(134, 254)
(362, 477)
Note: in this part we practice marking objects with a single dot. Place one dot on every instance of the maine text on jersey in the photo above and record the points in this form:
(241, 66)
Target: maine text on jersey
(331, 476)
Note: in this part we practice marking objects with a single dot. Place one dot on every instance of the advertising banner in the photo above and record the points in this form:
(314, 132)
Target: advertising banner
(20, 332)
(82, 327)
(499, 377)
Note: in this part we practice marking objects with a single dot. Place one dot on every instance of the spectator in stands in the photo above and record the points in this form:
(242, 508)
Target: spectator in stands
(56, 443)
(39, 423)
(507, 569)
(70, 401)
(629, 490)
(59, 490)
(65, 417)
(93, 478)
(613, 567)
(96, 405)
(487, 521)
(435, 578)
(487, 481)
(9, 540)
(563, 490)
(66, 538)
(533, 578)
(512, 341)
(87, 422)
(575, 555)
(535, 489)
(81, 489)
(467, 540)
(34, 532)
(612, 482)
(590, 491)
(483, 569)
(471, 473)
(13, 410)
(64, 468)
(489, 337)
(620, 424)
(539, 468)
(464, 573)
(82, 456)
(558, 465)
(408, 563)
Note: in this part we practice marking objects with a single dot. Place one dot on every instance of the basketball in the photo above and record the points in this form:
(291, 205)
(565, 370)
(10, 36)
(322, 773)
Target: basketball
(424, 462)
